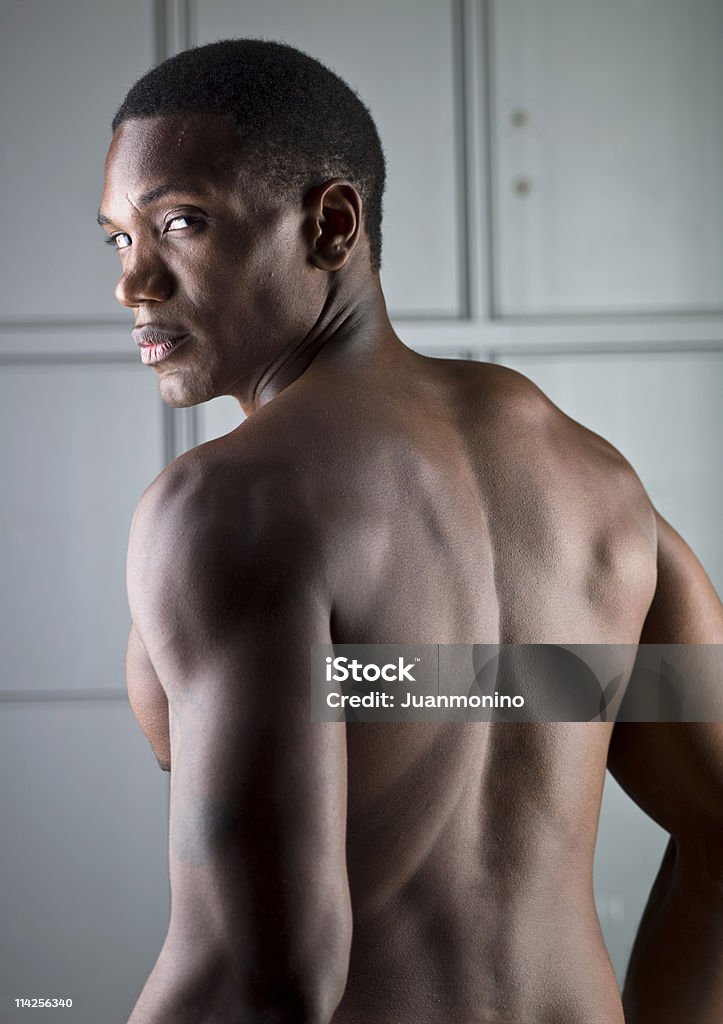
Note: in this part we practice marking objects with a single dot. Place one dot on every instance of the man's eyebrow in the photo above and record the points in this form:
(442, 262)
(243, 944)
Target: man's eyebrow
(172, 188)
(165, 190)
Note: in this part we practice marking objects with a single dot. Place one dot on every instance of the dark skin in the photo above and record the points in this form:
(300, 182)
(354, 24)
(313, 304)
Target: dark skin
(389, 873)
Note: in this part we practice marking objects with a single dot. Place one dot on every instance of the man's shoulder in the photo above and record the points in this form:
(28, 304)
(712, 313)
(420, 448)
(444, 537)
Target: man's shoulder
(237, 492)
(566, 455)
(512, 399)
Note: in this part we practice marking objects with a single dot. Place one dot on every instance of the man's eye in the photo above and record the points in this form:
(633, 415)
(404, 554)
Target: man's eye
(119, 241)
(180, 222)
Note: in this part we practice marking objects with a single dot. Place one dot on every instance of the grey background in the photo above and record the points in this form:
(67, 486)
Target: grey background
(554, 203)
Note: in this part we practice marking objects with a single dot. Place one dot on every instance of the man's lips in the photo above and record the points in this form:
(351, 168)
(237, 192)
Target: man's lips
(156, 343)
(150, 334)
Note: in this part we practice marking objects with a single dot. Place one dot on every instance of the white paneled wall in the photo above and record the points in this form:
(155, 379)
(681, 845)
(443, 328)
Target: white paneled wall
(553, 202)
(84, 894)
(608, 155)
(86, 440)
(84, 899)
(63, 68)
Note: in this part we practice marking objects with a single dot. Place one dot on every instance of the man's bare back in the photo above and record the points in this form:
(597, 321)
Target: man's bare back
(450, 502)
(374, 873)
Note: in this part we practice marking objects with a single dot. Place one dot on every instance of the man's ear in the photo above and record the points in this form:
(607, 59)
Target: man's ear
(332, 222)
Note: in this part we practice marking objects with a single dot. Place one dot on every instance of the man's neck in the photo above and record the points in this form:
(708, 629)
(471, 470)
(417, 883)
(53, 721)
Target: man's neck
(344, 331)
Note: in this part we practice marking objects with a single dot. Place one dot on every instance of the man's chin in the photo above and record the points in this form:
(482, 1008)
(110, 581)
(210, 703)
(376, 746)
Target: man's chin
(177, 396)
(178, 403)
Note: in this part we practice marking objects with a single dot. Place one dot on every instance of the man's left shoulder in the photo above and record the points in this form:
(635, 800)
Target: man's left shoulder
(252, 489)
(219, 527)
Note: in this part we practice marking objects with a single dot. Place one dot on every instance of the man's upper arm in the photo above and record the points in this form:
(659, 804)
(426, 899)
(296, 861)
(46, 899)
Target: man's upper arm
(227, 607)
(674, 771)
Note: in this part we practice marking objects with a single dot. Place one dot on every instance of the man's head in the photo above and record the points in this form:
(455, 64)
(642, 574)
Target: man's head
(236, 172)
(299, 122)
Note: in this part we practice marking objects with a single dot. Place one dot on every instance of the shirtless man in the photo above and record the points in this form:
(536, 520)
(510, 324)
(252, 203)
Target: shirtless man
(384, 873)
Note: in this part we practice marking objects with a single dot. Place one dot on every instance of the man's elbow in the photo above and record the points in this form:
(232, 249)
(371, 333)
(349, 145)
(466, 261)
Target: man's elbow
(328, 989)
(309, 999)
(307, 988)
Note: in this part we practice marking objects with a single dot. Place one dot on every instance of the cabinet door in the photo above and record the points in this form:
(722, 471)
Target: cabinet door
(64, 70)
(86, 441)
(82, 801)
(608, 156)
(84, 901)
(402, 59)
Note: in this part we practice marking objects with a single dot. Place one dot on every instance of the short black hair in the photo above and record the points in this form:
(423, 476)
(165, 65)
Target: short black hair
(302, 124)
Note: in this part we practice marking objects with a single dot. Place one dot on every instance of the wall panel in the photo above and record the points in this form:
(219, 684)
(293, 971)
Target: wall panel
(82, 444)
(64, 69)
(84, 902)
(608, 156)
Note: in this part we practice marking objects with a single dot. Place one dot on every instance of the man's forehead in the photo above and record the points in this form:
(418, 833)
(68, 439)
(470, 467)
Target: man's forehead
(190, 147)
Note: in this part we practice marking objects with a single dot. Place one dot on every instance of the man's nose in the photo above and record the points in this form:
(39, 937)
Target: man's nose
(143, 280)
